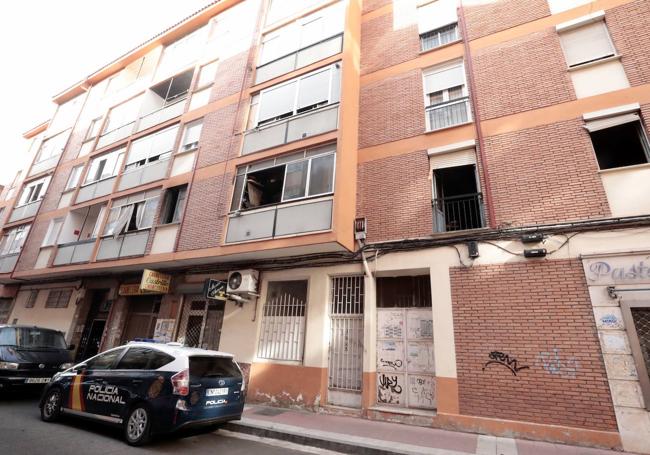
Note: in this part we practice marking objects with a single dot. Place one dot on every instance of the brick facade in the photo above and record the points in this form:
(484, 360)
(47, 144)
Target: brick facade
(371, 5)
(32, 246)
(217, 139)
(394, 194)
(486, 18)
(629, 27)
(538, 313)
(545, 174)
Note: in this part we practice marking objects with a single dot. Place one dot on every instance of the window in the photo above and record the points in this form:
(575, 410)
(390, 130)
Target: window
(168, 92)
(13, 240)
(212, 367)
(182, 52)
(105, 361)
(311, 91)
(81, 224)
(207, 74)
(446, 96)
(152, 148)
(132, 214)
(58, 298)
(31, 299)
(123, 115)
(174, 204)
(33, 191)
(304, 174)
(437, 23)
(12, 189)
(637, 323)
(282, 334)
(52, 232)
(302, 33)
(66, 114)
(191, 136)
(457, 202)
(52, 147)
(73, 180)
(619, 141)
(105, 166)
(404, 292)
(143, 359)
(279, 9)
(586, 44)
(93, 129)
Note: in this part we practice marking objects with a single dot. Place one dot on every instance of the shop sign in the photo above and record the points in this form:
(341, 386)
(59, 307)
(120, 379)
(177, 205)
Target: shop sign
(215, 290)
(618, 270)
(157, 282)
(132, 289)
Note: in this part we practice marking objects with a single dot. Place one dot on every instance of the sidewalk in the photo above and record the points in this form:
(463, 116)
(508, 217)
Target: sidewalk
(367, 437)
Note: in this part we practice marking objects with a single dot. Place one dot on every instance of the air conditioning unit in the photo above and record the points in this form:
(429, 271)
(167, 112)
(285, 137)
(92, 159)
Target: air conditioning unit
(242, 282)
(191, 146)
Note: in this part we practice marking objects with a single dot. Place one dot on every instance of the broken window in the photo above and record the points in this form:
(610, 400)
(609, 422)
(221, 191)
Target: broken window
(457, 202)
(168, 92)
(151, 148)
(304, 174)
(404, 292)
(174, 204)
(619, 144)
(133, 213)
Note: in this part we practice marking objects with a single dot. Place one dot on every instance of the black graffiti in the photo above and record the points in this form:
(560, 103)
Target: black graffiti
(389, 383)
(500, 358)
(394, 364)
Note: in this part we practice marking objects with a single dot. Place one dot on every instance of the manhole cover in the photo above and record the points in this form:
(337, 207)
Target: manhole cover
(270, 411)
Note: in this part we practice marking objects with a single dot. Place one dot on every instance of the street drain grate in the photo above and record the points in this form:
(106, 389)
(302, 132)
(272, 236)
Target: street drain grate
(270, 412)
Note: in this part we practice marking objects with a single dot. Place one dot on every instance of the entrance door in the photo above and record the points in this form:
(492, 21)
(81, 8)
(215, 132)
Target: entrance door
(91, 336)
(346, 341)
(94, 339)
(141, 319)
(201, 323)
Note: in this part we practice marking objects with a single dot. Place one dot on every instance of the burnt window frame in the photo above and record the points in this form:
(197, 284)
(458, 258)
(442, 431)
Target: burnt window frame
(639, 361)
(644, 140)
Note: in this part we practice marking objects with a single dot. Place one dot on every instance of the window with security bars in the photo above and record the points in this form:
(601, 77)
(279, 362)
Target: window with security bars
(282, 334)
(637, 322)
(58, 298)
(31, 300)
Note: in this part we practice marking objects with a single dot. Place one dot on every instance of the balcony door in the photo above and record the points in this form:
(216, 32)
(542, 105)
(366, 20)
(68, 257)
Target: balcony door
(457, 201)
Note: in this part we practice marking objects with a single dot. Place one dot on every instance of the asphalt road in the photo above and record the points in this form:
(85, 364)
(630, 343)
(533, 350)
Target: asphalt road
(23, 432)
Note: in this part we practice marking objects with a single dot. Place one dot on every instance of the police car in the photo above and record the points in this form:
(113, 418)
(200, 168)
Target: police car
(149, 388)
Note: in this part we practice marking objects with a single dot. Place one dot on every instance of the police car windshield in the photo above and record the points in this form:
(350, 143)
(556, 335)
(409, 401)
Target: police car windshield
(32, 338)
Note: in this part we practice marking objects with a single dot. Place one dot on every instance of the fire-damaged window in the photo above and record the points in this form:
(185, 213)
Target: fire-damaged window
(308, 173)
(619, 141)
(131, 214)
(174, 204)
(637, 323)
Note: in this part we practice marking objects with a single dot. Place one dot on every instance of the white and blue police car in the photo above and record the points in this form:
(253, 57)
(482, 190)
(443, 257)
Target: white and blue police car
(149, 388)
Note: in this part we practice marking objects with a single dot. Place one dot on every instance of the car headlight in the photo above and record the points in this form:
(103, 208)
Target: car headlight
(65, 366)
(8, 366)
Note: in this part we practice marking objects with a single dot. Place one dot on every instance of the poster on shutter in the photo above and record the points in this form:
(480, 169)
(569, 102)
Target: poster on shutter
(391, 389)
(419, 357)
(390, 355)
(421, 390)
(164, 330)
(419, 324)
(390, 323)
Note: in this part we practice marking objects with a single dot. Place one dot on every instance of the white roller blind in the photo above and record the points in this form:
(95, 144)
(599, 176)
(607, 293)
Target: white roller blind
(314, 89)
(587, 43)
(437, 14)
(277, 101)
(597, 125)
(453, 159)
(442, 79)
(164, 141)
(139, 150)
(192, 132)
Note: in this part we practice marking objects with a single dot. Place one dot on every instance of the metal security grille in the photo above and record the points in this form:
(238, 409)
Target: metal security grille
(282, 335)
(346, 341)
(641, 317)
(190, 332)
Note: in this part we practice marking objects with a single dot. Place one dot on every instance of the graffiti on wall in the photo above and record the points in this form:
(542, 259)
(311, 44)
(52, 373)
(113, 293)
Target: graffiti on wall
(389, 388)
(500, 358)
(421, 391)
(555, 363)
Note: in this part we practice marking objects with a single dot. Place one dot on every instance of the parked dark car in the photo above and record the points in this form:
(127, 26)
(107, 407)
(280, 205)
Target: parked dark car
(149, 388)
(31, 355)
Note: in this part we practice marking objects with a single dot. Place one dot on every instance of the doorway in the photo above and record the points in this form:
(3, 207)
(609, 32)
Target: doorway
(91, 336)
(141, 318)
(201, 322)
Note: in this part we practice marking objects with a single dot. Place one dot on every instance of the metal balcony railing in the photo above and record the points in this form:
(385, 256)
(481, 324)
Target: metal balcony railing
(448, 114)
(458, 213)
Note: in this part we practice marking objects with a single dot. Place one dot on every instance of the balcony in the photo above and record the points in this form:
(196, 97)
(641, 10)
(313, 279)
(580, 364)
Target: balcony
(449, 113)
(299, 126)
(8, 262)
(130, 244)
(115, 135)
(299, 59)
(144, 174)
(74, 253)
(458, 213)
(168, 112)
(43, 166)
(24, 211)
(280, 220)
(95, 190)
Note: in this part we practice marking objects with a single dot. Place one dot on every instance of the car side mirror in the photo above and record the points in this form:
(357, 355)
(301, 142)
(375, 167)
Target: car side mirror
(81, 367)
(71, 347)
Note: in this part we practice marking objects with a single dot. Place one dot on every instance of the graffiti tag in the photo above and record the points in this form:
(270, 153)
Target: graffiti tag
(389, 390)
(499, 358)
(553, 363)
(394, 364)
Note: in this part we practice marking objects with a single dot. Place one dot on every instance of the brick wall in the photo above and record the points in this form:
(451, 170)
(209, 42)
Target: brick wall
(204, 216)
(230, 75)
(57, 185)
(391, 109)
(629, 27)
(384, 45)
(522, 74)
(371, 5)
(538, 313)
(395, 195)
(32, 246)
(217, 139)
(545, 174)
(485, 18)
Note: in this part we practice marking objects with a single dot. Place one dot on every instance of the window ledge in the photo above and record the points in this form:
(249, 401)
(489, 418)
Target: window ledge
(162, 226)
(433, 49)
(186, 152)
(624, 168)
(449, 127)
(611, 58)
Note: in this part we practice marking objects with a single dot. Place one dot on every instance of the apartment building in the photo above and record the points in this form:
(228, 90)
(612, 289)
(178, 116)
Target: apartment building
(440, 208)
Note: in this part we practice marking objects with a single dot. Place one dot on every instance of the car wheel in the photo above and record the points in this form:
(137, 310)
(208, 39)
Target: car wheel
(138, 426)
(51, 409)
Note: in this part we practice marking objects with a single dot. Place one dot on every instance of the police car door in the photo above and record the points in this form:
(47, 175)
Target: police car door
(101, 396)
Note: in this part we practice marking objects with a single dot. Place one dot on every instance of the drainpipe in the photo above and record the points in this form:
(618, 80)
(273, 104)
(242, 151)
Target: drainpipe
(477, 120)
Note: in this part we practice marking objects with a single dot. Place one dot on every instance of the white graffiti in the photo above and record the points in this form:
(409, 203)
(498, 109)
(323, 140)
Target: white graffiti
(554, 363)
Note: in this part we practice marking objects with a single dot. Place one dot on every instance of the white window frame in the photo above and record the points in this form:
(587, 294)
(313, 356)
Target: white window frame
(30, 188)
(164, 156)
(55, 150)
(439, 69)
(11, 242)
(53, 231)
(74, 178)
(135, 100)
(200, 86)
(128, 205)
(185, 146)
(116, 168)
(588, 21)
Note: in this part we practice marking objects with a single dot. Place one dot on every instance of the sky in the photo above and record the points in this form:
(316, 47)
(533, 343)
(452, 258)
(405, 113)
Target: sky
(47, 46)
